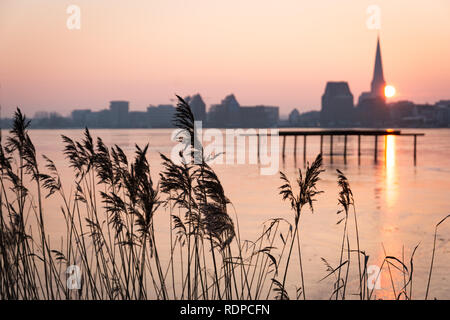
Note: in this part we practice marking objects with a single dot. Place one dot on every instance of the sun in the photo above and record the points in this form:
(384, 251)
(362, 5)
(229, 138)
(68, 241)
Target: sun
(389, 91)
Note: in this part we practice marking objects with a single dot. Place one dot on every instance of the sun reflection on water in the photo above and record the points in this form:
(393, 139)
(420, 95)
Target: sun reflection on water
(391, 171)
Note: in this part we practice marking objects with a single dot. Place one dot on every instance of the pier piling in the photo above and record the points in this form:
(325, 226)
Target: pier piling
(415, 150)
(345, 148)
(304, 148)
(321, 144)
(376, 149)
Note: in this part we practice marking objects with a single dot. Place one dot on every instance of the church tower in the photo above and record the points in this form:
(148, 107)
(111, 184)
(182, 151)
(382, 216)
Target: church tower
(378, 83)
(372, 110)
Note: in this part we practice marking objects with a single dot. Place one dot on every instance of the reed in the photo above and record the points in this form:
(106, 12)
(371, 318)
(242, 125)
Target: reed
(306, 194)
(112, 246)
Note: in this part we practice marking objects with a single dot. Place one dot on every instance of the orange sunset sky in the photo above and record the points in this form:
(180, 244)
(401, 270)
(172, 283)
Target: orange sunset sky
(265, 52)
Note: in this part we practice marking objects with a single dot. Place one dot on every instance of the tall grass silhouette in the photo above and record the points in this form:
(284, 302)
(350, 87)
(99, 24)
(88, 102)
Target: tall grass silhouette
(111, 249)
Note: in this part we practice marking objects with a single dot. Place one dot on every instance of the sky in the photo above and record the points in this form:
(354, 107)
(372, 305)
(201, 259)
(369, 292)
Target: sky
(278, 53)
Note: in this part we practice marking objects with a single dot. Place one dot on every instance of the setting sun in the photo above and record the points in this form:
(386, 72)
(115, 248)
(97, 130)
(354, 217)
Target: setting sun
(389, 91)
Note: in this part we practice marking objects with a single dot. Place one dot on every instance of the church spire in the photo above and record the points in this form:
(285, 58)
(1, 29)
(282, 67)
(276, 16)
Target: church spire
(378, 82)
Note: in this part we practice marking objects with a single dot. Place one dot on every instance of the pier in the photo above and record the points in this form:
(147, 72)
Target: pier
(345, 133)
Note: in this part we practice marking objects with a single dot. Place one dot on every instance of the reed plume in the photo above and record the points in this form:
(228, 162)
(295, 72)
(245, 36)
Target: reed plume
(306, 195)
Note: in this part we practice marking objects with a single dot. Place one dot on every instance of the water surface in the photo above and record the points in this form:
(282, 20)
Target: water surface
(397, 203)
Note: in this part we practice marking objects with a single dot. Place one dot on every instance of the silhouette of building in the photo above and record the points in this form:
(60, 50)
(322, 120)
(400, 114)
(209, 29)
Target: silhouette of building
(427, 113)
(232, 111)
(309, 119)
(259, 116)
(230, 114)
(138, 119)
(443, 113)
(119, 114)
(103, 119)
(372, 109)
(198, 107)
(160, 116)
(226, 114)
(400, 110)
(378, 82)
(216, 116)
(337, 105)
(52, 120)
(294, 118)
(80, 117)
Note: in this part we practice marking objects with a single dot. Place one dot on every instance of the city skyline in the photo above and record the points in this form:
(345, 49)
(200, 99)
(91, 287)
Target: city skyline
(286, 63)
(338, 109)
